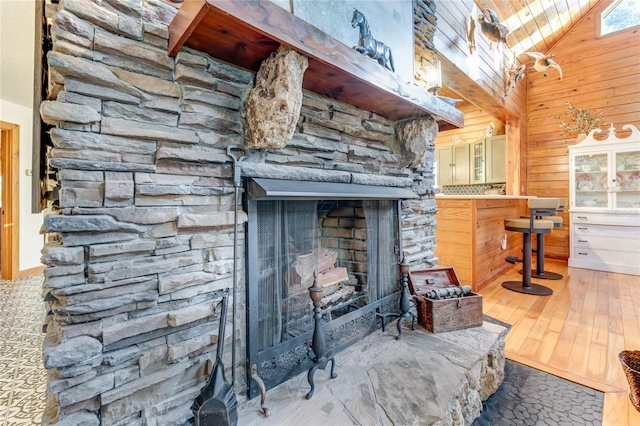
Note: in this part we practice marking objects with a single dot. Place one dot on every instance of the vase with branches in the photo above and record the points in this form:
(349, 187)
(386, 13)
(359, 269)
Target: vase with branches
(581, 120)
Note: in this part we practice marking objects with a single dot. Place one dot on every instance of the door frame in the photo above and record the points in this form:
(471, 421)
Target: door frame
(10, 218)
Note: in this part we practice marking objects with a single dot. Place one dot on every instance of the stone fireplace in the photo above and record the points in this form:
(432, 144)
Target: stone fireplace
(140, 244)
(345, 234)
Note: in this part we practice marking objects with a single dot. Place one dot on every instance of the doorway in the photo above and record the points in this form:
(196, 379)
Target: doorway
(9, 200)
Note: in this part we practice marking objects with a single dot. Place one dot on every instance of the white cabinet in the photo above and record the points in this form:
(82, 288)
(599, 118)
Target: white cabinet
(477, 162)
(488, 160)
(453, 165)
(605, 203)
(496, 159)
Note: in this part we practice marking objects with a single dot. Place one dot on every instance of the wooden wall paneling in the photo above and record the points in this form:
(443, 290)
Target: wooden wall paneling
(480, 78)
(515, 156)
(490, 215)
(451, 43)
(562, 10)
(504, 10)
(520, 29)
(541, 21)
(454, 237)
(476, 122)
(551, 11)
(468, 236)
(600, 73)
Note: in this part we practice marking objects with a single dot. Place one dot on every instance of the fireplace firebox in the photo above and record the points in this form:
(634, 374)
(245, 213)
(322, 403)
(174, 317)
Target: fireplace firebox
(347, 235)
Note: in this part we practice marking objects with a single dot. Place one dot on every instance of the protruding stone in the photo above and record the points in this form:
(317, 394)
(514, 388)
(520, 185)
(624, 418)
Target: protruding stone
(73, 25)
(413, 138)
(133, 327)
(120, 127)
(86, 390)
(228, 72)
(54, 112)
(210, 97)
(84, 69)
(209, 220)
(149, 83)
(140, 215)
(85, 194)
(188, 75)
(118, 189)
(273, 105)
(72, 351)
(170, 283)
(78, 418)
(104, 18)
(132, 50)
(145, 115)
(64, 223)
(190, 314)
(100, 250)
(62, 384)
(195, 154)
(56, 254)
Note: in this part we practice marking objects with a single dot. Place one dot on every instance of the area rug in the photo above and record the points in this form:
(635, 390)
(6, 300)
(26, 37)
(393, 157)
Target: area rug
(531, 397)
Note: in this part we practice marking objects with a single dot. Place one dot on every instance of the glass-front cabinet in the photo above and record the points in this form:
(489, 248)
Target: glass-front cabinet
(627, 179)
(606, 179)
(477, 162)
(604, 188)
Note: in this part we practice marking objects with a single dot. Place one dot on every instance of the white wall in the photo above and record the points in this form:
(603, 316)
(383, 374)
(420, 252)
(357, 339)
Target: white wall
(31, 241)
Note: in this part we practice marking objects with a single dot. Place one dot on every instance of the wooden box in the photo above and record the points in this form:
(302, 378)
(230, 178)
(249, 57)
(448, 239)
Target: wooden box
(443, 314)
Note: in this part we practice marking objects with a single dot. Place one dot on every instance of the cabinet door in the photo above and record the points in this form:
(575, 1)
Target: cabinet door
(460, 164)
(591, 186)
(476, 151)
(444, 163)
(625, 184)
(496, 159)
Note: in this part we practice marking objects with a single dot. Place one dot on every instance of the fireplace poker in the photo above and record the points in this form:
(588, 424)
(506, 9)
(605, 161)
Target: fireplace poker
(237, 181)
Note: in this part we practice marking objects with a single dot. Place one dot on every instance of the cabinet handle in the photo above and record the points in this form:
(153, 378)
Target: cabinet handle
(584, 254)
(583, 241)
(582, 217)
(583, 229)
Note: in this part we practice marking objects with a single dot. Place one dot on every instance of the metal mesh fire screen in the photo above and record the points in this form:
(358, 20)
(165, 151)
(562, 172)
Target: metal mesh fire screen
(351, 245)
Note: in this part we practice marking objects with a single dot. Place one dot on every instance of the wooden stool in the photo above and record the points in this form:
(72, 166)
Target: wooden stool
(528, 226)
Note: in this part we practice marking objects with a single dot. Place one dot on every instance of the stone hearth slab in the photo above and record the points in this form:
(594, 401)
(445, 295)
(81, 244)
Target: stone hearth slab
(423, 378)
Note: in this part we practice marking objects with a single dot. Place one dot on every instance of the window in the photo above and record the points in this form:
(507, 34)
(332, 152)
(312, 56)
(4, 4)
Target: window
(622, 14)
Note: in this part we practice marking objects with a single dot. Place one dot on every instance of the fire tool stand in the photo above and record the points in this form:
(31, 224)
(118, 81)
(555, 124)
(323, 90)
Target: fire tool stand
(320, 359)
(405, 302)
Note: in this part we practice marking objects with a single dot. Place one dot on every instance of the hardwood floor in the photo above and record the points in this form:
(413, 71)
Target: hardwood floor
(576, 333)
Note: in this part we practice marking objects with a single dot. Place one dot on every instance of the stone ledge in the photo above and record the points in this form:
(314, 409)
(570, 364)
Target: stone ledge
(423, 378)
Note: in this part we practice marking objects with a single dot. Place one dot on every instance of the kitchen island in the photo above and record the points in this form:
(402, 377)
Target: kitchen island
(469, 231)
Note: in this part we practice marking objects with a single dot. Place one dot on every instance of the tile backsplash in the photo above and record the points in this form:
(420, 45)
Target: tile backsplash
(472, 189)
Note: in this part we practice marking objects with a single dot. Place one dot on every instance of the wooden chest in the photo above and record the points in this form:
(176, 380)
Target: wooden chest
(443, 314)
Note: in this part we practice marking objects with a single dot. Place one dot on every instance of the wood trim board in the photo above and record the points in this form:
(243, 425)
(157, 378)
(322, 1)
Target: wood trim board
(246, 33)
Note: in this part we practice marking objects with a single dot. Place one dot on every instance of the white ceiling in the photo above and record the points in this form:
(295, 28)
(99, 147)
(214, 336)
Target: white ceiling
(17, 41)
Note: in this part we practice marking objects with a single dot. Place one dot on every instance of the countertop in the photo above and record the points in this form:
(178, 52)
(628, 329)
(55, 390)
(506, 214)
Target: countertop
(485, 197)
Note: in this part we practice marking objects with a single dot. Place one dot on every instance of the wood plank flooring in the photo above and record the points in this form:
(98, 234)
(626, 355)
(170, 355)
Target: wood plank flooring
(576, 333)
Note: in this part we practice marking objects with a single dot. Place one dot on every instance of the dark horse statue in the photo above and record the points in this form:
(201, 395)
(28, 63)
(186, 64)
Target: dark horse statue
(367, 45)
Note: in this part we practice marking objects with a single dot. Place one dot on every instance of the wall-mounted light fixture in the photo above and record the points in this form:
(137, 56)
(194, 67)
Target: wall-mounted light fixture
(434, 76)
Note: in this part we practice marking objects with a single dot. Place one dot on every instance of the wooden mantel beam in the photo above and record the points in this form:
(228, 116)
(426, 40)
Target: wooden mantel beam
(245, 33)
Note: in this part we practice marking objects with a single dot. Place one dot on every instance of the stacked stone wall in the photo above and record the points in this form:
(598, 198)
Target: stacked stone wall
(141, 241)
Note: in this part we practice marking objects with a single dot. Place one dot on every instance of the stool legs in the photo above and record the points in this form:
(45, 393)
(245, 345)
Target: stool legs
(539, 272)
(526, 286)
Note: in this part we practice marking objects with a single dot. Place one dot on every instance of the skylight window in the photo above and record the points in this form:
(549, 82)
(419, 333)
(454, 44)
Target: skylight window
(621, 15)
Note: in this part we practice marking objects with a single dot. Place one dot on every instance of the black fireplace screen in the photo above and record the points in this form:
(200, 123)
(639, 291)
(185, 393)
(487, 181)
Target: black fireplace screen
(350, 246)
